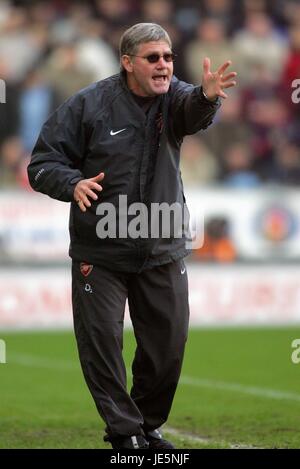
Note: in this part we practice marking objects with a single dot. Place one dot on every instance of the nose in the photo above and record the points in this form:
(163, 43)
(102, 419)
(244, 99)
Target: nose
(161, 63)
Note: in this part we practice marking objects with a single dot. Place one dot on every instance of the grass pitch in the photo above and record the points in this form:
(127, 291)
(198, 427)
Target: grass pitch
(239, 389)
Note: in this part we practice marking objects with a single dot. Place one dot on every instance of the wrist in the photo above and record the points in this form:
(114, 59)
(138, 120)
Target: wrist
(212, 100)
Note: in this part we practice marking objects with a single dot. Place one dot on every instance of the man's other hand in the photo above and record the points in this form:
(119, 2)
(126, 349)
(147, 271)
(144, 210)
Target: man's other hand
(86, 188)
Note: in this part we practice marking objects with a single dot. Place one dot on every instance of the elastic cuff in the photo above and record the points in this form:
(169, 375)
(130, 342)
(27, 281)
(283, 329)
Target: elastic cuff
(206, 98)
(71, 187)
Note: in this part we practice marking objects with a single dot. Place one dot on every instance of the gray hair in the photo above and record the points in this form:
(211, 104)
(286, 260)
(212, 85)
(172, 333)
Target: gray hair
(141, 33)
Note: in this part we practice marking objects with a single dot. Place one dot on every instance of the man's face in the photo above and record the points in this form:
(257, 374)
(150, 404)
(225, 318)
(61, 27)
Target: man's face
(145, 78)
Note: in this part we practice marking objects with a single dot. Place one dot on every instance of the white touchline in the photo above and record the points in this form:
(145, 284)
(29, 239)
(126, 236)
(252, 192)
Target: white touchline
(241, 388)
(205, 441)
(33, 361)
(45, 362)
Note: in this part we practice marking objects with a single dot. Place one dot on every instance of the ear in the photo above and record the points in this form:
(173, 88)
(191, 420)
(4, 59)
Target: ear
(127, 63)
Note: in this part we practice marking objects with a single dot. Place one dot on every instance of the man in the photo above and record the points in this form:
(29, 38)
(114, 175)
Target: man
(125, 132)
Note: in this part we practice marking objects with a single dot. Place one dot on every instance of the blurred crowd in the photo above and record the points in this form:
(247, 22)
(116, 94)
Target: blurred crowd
(49, 49)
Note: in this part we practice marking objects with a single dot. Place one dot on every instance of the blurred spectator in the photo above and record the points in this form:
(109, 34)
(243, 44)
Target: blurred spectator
(9, 116)
(238, 167)
(13, 164)
(258, 43)
(198, 164)
(228, 128)
(66, 27)
(255, 6)
(62, 71)
(291, 69)
(226, 11)
(211, 42)
(37, 99)
(217, 245)
(115, 12)
(4, 12)
(157, 11)
(41, 13)
(21, 45)
(287, 164)
(187, 17)
(266, 115)
(291, 11)
(94, 55)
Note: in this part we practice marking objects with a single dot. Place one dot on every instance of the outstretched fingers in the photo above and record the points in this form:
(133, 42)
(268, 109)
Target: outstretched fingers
(222, 94)
(229, 84)
(97, 178)
(86, 189)
(206, 65)
(229, 76)
(223, 67)
(226, 80)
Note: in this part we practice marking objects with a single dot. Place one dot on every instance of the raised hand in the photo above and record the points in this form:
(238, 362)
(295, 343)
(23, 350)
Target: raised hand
(85, 188)
(213, 83)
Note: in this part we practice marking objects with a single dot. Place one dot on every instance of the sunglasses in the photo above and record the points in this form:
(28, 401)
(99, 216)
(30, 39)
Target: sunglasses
(154, 58)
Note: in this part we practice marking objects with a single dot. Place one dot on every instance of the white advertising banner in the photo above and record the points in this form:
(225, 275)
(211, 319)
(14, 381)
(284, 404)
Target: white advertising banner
(33, 227)
(263, 224)
(236, 295)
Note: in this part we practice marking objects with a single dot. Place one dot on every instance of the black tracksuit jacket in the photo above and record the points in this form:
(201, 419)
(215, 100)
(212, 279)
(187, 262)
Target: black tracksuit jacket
(76, 143)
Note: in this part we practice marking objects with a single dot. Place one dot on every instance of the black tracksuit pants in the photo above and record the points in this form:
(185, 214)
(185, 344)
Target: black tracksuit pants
(159, 311)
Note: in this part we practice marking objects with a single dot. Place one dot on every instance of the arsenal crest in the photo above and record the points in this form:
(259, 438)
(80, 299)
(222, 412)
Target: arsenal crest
(85, 268)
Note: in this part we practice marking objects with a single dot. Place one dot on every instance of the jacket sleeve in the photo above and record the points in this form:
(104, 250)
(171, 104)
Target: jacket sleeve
(190, 110)
(57, 156)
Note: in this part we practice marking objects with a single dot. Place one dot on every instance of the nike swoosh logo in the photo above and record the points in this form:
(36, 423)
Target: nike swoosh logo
(117, 132)
(182, 271)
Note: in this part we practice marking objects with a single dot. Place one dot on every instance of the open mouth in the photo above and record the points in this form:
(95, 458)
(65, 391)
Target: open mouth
(160, 78)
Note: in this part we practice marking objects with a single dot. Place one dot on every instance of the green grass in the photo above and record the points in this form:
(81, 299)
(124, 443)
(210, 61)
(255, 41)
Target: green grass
(44, 402)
